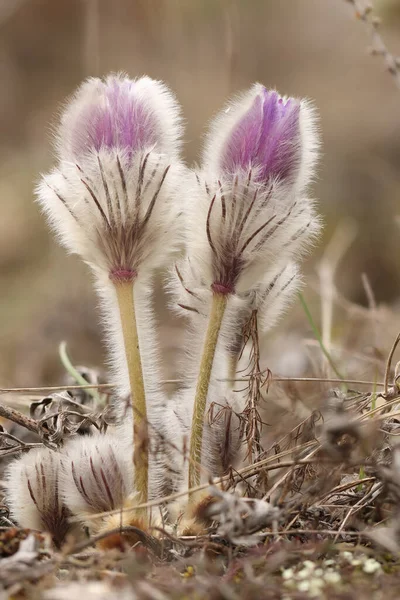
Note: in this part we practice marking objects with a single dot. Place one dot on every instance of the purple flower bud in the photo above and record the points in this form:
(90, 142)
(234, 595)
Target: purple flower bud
(251, 191)
(113, 197)
(266, 137)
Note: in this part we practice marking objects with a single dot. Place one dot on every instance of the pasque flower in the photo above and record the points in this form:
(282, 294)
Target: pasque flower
(113, 199)
(248, 214)
(249, 195)
(91, 475)
(112, 196)
(270, 299)
(97, 477)
(33, 493)
(119, 197)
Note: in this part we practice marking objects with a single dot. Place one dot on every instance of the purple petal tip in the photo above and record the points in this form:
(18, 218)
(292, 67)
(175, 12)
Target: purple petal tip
(266, 137)
(112, 117)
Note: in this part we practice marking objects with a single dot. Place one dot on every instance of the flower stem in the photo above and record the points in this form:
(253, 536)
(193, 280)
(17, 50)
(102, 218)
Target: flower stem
(232, 368)
(214, 325)
(124, 291)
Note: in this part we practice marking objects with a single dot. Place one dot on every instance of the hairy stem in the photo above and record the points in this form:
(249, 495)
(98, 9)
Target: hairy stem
(124, 290)
(214, 325)
(232, 368)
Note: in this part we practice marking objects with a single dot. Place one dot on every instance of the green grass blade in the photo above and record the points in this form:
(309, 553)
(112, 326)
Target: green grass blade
(69, 367)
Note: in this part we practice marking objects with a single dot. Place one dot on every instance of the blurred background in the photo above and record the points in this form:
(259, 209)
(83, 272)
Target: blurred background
(205, 50)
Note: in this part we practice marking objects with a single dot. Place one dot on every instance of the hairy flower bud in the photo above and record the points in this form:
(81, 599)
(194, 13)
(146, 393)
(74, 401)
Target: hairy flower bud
(247, 218)
(97, 476)
(112, 198)
(33, 494)
(248, 213)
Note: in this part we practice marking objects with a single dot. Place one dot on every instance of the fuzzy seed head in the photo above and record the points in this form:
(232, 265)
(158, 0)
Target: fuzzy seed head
(33, 494)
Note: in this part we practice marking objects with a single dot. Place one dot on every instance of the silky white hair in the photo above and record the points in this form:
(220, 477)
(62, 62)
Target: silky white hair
(117, 212)
(271, 297)
(239, 231)
(97, 476)
(276, 296)
(33, 493)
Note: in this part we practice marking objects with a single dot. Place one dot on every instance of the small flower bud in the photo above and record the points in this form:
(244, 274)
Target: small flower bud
(97, 476)
(33, 495)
